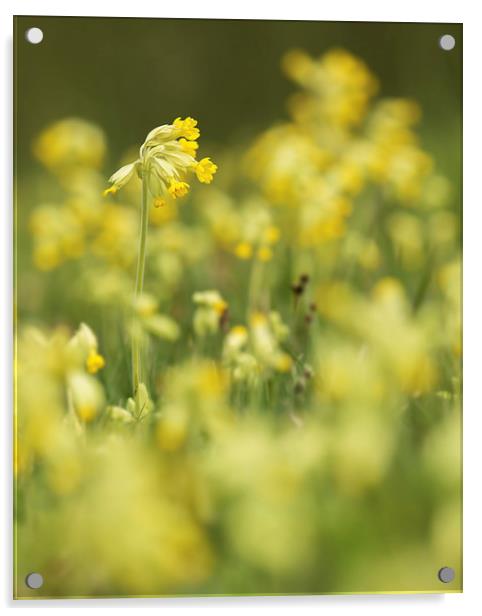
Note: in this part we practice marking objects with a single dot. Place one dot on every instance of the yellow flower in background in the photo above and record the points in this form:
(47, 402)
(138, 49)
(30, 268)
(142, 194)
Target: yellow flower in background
(254, 350)
(46, 256)
(235, 340)
(69, 143)
(87, 395)
(84, 342)
(95, 362)
(59, 235)
(341, 82)
(243, 250)
(211, 299)
(210, 312)
(256, 234)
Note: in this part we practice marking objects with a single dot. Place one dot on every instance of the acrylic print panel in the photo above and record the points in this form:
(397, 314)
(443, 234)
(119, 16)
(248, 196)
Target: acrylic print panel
(237, 308)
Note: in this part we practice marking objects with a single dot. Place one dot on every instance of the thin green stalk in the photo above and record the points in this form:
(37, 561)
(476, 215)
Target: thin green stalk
(137, 369)
(254, 285)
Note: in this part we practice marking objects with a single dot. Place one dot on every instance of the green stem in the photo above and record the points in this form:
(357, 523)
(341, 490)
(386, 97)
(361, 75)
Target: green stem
(137, 371)
(255, 280)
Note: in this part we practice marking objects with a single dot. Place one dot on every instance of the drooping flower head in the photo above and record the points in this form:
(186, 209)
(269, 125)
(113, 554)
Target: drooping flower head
(166, 158)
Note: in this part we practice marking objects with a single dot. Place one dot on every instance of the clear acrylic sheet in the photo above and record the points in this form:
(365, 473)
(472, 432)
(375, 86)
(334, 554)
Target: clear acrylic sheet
(237, 284)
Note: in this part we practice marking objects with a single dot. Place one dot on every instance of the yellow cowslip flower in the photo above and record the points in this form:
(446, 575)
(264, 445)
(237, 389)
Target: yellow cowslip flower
(178, 189)
(205, 170)
(157, 202)
(111, 190)
(95, 362)
(243, 250)
(257, 319)
(70, 143)
(298, 65)
(236, 339)
(211, 308)
(220, 306)
(87, 395)
(119, 414)
(189, 147)
(166, 158)
(188, 128)
(210, 299)
(338, 87)
(84, 344)
(280, 330)
(266, 333)
(240, 332)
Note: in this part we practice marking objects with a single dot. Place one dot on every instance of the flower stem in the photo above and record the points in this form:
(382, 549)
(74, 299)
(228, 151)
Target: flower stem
(137, 371)
(254, 287)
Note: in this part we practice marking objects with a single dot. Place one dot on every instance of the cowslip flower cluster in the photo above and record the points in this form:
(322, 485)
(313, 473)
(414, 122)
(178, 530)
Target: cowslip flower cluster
(70, 143)
(340, 144)
(58, 389)
(251, 352)
(211, 312)
(166, 158)
(260, 246)
(341, 83)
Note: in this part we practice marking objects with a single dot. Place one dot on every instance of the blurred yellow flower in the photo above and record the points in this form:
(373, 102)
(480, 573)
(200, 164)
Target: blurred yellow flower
(69, 143)
(210, 311)
(95, 362)
(243, 250)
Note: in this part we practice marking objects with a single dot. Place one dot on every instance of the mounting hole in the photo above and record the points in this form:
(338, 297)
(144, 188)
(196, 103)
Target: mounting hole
(446, 575)
(34, 580)
(447, 42)
(34, 36)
